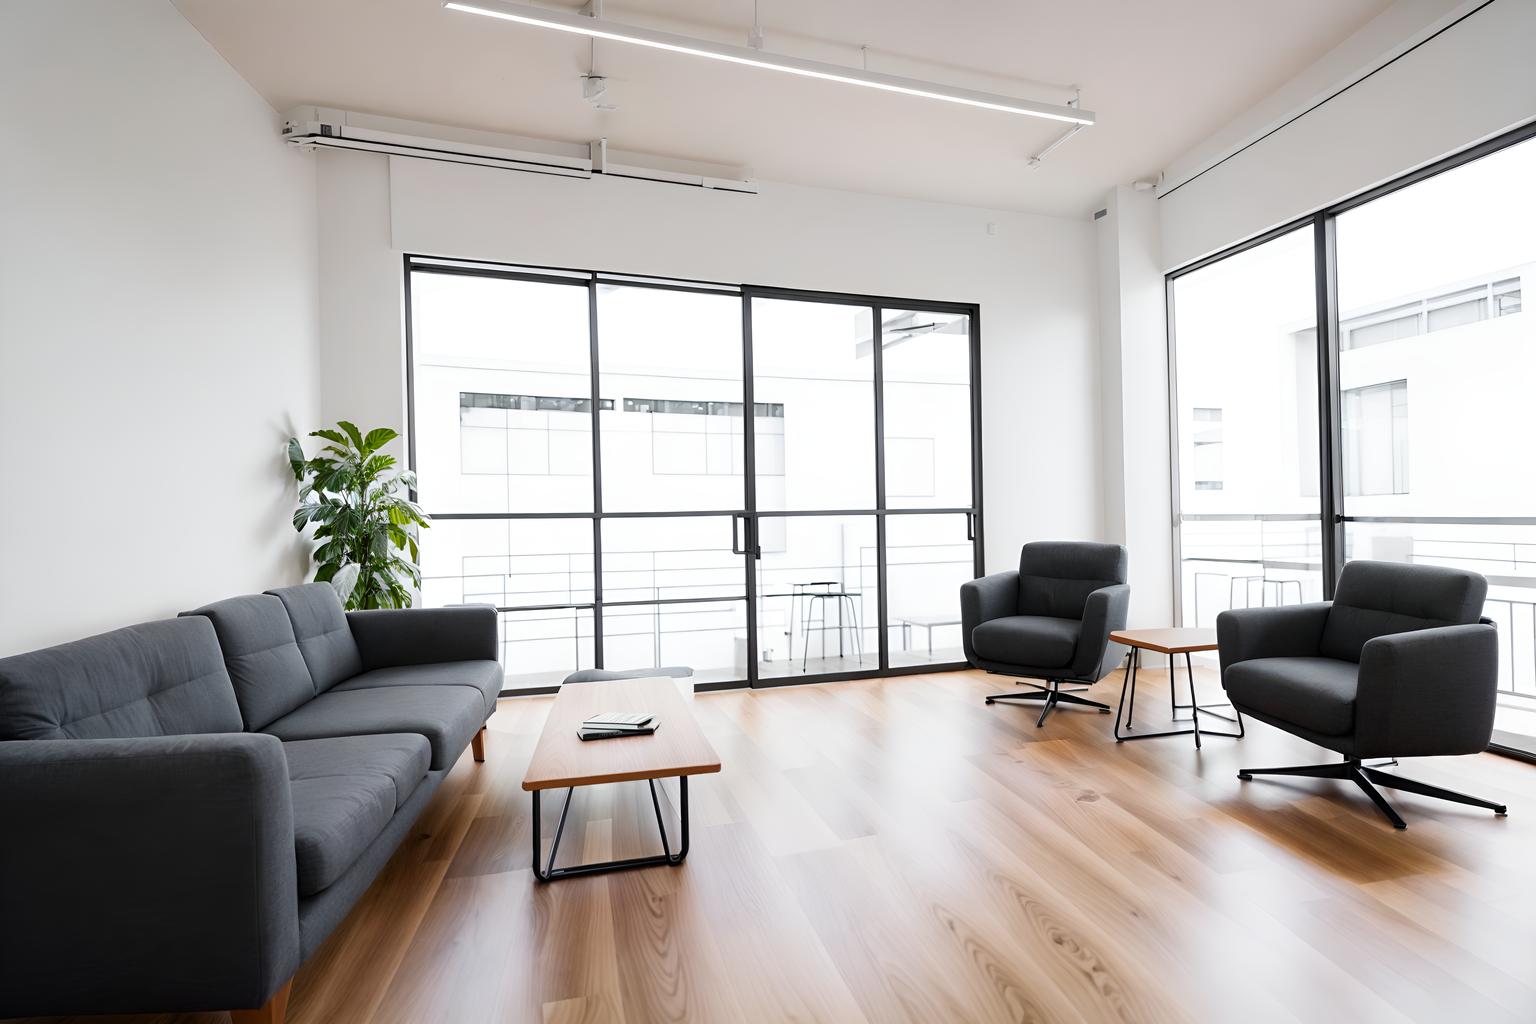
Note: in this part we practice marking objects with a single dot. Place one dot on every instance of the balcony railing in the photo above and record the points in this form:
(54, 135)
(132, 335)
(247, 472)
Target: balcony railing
(1241, 560)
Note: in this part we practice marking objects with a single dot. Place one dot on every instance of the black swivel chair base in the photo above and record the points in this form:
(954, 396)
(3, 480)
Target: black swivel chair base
(1052, 695)
(1364, 775)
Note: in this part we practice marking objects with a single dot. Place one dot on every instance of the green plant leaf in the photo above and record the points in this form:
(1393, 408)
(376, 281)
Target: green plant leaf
(353, 434)
(345, 581)
(357, 501)
(296, 458)
(377, 464)
(377, 438)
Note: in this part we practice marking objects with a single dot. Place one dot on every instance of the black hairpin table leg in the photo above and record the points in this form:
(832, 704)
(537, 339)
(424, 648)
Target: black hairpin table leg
(545, 871)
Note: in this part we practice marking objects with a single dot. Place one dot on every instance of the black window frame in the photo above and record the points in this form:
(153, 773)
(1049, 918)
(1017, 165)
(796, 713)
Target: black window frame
(591, 280)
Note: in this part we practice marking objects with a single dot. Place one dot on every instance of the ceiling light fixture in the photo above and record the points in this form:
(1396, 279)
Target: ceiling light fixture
(598, 28)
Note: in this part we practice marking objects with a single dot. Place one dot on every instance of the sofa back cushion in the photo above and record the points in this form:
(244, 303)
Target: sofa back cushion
(1379, 598)
(262, 656)
(1056, 576)
(325, 639)
(162, 678)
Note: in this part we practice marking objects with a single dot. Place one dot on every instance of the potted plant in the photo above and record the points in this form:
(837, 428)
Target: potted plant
(363, 515)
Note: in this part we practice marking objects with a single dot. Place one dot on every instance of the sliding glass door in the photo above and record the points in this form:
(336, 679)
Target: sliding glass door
(785, 484)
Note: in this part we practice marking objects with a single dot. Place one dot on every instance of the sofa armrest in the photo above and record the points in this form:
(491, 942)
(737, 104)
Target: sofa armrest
(424, 636)
(984, 599)
(1291, 631)
(1105, 611)
(1427, 692)
(149, 874)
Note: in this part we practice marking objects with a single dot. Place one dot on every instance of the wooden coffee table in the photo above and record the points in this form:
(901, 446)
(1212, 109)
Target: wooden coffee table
(1171, 641)
(561, 761)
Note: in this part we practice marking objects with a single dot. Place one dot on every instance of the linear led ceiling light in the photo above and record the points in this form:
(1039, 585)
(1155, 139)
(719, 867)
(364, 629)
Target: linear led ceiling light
(598, 28)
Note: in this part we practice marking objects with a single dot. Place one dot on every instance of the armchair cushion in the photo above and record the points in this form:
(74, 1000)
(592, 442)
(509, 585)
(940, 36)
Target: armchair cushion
(1381, 598)
(261, 654)
(155, 679)
(345, 791)
(325, 638)
(1317, 694)
(1038, 641)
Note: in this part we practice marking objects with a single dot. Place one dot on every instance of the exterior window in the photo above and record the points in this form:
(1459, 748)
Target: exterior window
(1376, 439)
(1207, 458)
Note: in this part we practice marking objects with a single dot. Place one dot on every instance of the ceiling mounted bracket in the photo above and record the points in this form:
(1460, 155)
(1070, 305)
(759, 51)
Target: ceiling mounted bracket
(1039, 158)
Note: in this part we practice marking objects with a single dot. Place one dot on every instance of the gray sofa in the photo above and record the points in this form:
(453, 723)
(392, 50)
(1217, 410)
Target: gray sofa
(192, 805)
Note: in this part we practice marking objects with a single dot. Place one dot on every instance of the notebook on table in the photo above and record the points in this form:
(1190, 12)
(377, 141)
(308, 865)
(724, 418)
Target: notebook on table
(611, 724)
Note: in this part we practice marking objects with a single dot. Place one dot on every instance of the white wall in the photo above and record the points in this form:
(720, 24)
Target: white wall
(158, 336)
(1474, 80)
(1134, 382)
(1034, 278)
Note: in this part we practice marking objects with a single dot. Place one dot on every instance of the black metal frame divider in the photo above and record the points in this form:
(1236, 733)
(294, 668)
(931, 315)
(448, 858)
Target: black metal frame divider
(745, 542)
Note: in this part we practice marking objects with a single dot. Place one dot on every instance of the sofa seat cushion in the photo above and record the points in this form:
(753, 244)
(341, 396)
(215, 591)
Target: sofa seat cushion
(1033, 641)
(484, 677)
(448, 716)
(1314, 693)
(345, 791)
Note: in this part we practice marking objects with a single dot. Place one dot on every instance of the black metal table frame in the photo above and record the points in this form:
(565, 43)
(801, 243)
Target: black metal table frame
(1196, 709)
(666, 858)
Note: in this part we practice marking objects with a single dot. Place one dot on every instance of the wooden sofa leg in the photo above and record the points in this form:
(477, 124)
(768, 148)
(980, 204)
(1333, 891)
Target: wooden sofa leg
(478, 744)
(274, 1012)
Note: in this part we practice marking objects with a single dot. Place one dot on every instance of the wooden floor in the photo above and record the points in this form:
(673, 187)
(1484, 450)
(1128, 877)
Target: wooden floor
(893, 850)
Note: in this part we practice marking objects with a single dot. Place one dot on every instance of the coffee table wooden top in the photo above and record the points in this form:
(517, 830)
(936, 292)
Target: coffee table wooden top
(1173, 640)
(677, 747)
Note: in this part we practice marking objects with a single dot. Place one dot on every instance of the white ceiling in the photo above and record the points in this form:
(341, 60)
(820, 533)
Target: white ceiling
(1160, 76)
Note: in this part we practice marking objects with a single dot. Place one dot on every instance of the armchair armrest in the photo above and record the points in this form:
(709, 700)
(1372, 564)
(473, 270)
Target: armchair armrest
(984, 599)
(1291, 631)
(1104, 612)
(1427, 692)
(423, 636)
(148, 874)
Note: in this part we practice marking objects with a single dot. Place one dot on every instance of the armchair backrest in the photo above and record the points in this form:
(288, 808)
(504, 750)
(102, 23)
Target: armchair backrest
(1379, 598)
(1056, 576)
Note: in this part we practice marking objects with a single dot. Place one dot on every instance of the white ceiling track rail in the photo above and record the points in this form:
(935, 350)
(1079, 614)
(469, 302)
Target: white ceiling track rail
(600, 28)
(328, 128)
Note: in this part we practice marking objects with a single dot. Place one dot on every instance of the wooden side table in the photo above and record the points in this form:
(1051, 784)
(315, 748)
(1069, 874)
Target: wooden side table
(1172, 642)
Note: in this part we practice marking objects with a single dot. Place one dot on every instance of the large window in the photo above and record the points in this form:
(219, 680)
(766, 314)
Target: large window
(1426, 367)
(1246, 425)
(1449, 255)
(785, 482)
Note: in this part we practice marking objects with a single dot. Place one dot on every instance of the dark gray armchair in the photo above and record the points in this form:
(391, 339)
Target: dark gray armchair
(1050, 620)
(1399, 664)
